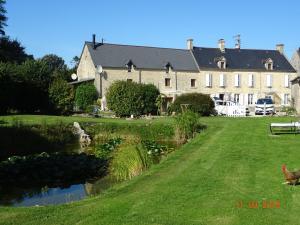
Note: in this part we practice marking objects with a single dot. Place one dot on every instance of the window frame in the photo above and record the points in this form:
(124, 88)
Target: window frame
(193, 83)
(167, 82)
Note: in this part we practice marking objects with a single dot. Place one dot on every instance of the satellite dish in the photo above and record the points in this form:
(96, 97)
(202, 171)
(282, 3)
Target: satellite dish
(99, 69)
(74, 76)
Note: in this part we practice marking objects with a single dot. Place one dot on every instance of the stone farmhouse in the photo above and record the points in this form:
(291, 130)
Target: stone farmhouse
(241, 75)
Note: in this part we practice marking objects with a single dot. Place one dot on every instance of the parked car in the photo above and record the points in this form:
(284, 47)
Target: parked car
(264, 106)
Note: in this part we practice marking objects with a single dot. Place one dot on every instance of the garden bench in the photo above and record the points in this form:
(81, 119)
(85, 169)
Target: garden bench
(285, 128)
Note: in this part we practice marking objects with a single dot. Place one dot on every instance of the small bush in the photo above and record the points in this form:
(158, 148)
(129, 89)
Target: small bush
(197, 102)
(61, 96)
(289, 111)
(85, 95)
(187, 124)
(130, 98)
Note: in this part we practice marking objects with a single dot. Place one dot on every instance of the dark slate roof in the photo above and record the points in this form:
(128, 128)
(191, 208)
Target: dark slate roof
(241, 59)
(117, 56)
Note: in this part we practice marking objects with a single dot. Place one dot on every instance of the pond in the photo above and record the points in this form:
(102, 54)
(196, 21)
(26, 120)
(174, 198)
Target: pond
(20, 195)
(42, 185)
(66, 172)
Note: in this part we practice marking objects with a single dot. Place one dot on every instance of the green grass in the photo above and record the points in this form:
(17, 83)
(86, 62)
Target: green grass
(40, 119)
(235, 159)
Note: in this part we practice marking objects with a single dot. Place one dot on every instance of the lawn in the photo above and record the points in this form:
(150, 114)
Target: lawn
(234, 161)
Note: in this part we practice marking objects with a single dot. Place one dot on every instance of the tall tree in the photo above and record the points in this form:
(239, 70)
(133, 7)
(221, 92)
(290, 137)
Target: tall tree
(12, 51)
(54, 62)
(3, 18)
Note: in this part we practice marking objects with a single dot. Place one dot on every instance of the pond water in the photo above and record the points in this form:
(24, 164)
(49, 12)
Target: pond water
(28, 194)
(55, 192)
(39, 196)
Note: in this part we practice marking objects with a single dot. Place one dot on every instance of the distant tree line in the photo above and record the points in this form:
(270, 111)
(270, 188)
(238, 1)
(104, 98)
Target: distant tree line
(29, 85)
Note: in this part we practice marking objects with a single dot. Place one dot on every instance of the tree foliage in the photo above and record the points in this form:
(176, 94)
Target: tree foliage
(24, 87)
(61, 96)
(130, 98)
(85, 95)
(54, 62)
(196, 102)
(3, 18)
(12, 51)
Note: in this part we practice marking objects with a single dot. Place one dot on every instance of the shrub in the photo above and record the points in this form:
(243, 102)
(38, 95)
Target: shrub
(187, 124)
(129, 161)
(289, 111)
(61, 96)
(130, 98)
(150, 93)
(197, 102)
(85, 95)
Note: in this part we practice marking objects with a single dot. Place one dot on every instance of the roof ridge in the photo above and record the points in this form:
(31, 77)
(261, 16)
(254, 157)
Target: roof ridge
(141, 46)
(254, 49)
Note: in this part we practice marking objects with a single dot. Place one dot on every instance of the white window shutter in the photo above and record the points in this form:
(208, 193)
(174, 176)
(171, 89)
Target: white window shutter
(286, 81)
(251, 80)
(222, 80)
(208, 80)
(237, 80)
(269, 80)
(246, 99)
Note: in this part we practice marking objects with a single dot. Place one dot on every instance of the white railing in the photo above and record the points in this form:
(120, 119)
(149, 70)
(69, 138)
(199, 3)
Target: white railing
(231, 109)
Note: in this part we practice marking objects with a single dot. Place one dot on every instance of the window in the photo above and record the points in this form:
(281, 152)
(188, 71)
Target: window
(237, 80)
(193, 82)
(269, 80)
(221, 96)
(222, 65)
(286, 99)
(129, 80)
(222, 80)
(208, 80)
(286, 81)
(251, 80)
(236, 98)
(221, 62)
(250, 99)
(269, 66)
(167, 82)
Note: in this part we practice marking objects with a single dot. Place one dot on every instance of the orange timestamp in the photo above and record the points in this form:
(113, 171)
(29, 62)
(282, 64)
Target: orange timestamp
(255, 204)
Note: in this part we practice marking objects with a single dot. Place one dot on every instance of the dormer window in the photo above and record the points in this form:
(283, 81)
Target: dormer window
(269, 64)
(129, 66)
(221, 62)
(168, 66)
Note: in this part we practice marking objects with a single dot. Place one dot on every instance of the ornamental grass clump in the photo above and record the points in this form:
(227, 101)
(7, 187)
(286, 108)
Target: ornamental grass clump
(128, 162)
(187, 125)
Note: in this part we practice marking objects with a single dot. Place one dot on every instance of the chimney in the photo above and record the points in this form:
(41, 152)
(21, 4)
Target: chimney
(94, 41)
(280, 48)
(238, 41)
(189, 43)
(221, 45)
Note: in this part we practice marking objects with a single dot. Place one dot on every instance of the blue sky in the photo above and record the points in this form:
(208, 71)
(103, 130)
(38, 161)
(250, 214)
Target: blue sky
(62, 26)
